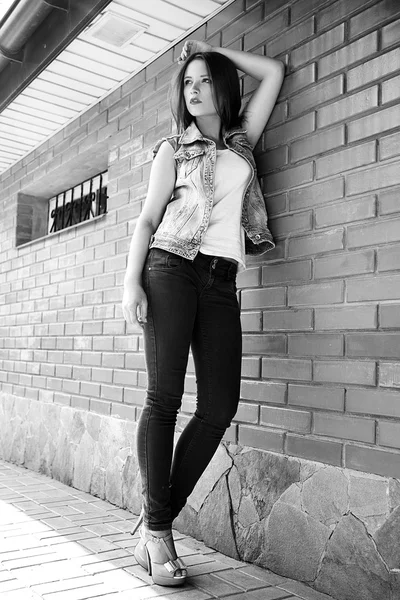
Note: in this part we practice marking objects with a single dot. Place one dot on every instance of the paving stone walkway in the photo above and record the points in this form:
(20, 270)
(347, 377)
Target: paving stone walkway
(57, 543)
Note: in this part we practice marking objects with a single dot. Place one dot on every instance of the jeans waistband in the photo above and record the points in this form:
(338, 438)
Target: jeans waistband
(221, 266)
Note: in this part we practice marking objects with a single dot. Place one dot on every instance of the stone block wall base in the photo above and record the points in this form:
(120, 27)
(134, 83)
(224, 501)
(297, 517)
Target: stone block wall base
(395, 584)
(334, 529)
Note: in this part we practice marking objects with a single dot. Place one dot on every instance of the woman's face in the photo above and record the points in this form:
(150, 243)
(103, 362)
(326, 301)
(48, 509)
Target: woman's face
(197, 90)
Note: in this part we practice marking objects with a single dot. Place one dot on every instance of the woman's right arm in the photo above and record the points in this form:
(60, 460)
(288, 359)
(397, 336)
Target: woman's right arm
(161, 185)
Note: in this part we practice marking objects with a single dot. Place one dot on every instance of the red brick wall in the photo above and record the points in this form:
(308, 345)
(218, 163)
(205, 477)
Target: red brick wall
(321, 368)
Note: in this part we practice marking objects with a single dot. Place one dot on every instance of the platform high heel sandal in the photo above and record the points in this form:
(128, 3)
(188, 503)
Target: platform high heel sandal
(138, 523)
(158, 556)
(140, 553)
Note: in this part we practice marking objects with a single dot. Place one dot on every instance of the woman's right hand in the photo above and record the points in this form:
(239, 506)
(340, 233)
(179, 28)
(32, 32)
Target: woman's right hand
(191, 47)
(134, 304)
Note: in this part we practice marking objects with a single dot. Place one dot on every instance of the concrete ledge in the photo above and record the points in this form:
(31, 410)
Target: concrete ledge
(334, 529)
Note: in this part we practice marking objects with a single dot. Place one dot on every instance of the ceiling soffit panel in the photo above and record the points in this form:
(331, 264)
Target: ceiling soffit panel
(51, 36)
(75, 58)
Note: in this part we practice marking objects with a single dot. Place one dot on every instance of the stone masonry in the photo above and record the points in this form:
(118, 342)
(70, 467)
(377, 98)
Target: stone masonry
(59, 543)
(335, 529)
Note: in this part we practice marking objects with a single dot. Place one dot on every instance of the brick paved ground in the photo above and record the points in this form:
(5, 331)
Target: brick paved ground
(57, 543)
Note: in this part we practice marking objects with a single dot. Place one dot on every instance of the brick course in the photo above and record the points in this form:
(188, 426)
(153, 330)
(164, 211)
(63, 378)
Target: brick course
(388, 201)
(320, 313)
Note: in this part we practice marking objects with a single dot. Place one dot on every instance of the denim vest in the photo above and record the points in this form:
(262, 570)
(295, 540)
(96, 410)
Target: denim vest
(187, 214)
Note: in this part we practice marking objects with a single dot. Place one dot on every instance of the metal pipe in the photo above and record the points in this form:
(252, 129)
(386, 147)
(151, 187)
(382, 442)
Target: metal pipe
(4, 60)
(22, 22)
(25, 18)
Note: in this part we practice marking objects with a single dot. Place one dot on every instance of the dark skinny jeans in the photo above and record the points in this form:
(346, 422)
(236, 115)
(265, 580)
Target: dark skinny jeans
(192, 304)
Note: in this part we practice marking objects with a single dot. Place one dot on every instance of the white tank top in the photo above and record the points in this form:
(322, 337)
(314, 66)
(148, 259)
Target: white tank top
(225, 234)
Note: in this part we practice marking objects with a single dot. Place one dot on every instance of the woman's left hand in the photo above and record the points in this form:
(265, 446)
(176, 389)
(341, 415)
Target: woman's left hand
(191, 47)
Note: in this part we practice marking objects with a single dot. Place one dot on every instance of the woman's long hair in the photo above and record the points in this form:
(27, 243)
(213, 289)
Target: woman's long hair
(225, 88)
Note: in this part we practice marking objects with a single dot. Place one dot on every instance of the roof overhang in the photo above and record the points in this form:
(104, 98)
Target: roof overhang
(32, 35)
(59, 58)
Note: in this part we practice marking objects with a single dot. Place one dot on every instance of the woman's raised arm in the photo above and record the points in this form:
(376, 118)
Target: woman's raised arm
(268, 71)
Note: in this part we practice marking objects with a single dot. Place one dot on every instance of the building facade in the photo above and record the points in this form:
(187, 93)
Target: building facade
(307, 481)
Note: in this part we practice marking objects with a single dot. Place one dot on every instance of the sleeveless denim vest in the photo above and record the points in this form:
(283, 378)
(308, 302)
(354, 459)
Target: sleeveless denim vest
(187, 214)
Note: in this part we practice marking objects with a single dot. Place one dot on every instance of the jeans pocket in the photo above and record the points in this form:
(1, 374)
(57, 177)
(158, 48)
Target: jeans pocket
(174, 261)
(162, 260)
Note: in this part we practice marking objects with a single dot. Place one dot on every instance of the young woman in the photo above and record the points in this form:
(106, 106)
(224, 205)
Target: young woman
(204, 209)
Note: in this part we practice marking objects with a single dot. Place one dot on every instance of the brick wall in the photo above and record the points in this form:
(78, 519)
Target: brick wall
(321, 364)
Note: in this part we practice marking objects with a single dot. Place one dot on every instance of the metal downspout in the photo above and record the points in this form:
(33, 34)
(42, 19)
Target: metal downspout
(16, 30)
